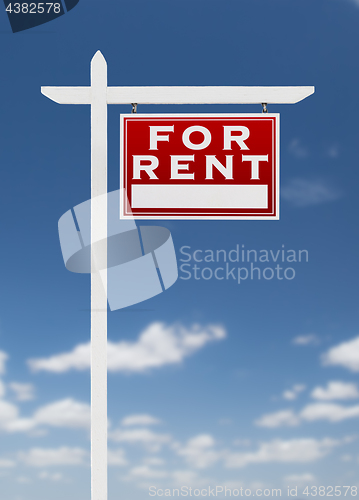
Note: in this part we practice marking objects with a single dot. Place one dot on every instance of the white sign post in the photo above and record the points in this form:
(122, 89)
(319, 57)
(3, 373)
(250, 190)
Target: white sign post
(99, 95)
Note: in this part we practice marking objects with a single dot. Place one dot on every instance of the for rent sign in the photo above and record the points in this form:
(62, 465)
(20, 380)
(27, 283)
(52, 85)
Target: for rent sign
(200, 166)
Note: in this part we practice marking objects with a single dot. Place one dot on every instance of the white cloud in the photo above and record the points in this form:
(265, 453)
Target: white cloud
(55, 476)
(46, 457)
(145, 437)
(336, 390)
(158, 345)
(305, 340)
(181, 477)
(145, 477)
(225, 421)
(23, 480)
(293, 393)
(292, 451)
(242, 442)
(199, 451)
(38, 432)
(3, 358)
(8, 413)
(23, 392)
(279, 419)
(116, 457)
(64, 413)
(333, 151)
(350, 439)
(300, 479)
(345, 354)
(315, 411)
(20, 425)
(6, 463)
(78, 359)
(140, 419)
(305, 193)
(2, 389)
(329, 411)
(297, 149)
(154, 461)
(289, 395)
(145, 472)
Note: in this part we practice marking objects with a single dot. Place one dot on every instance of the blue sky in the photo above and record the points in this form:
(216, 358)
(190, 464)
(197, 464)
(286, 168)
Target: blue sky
(258, 383)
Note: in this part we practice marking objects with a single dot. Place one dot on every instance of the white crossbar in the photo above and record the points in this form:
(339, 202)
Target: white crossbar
(182, 95)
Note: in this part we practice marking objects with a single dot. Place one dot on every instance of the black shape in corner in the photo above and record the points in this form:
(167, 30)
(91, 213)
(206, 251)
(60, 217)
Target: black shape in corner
(24, 15)
(70, 4)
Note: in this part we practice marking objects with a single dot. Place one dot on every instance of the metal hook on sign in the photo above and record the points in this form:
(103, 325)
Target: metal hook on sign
(134, 107)
(264, 106)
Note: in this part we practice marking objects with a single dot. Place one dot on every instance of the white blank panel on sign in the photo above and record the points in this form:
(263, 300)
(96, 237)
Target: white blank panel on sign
(197, 196)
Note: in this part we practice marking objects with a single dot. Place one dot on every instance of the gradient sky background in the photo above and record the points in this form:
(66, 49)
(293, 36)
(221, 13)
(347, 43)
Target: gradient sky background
(269, 396)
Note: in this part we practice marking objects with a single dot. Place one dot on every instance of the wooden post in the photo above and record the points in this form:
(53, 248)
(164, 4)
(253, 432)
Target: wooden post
(98, 292)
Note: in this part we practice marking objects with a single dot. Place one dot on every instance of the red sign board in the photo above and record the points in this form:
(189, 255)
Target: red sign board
(200, 166)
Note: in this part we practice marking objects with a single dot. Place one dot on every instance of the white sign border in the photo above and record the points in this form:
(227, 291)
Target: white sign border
(200, 115)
